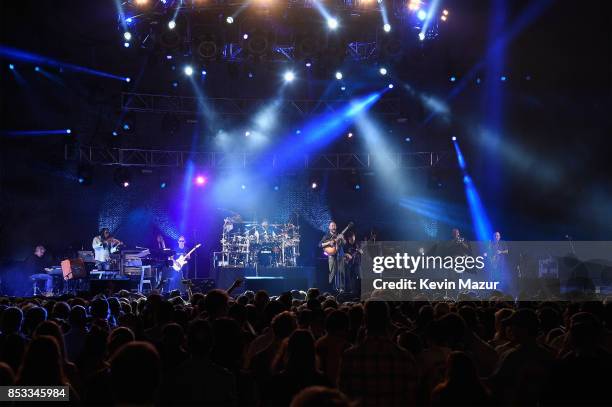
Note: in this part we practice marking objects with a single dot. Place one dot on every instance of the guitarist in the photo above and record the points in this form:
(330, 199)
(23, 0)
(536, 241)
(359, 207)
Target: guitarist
(175, 277)
(335, 261)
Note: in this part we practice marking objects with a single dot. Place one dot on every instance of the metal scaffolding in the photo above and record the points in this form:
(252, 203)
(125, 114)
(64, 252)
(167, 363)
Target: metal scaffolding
(130, 157)
(156, 103)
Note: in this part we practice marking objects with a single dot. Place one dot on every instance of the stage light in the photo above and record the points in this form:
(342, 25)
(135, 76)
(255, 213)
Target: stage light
(350, 135)
(84, 174)
(37, 68)
(11, 67)
(422, 15)
(391, 86)
(128, 79)
(387, 27)
(171, 24)
(339, 75)
(129, 20)
(276, 188)
(126, 126)
(168, 56)
(126, 184)
(414, 5)
(68, 131)
(298, 132)
(422, 36)
(452, 79)
(114, 133)
(200, 180)
(250, 74)
(126, 44)
(243, 187)
(188, 70)
(230, 20)
(407, 139)
(454, 138)
(162, 185)
(245, 37)
(445, 12)
(175, 84)
(357, 187)
(141, 2)
(308, 64)
(289, 76)
(342, 88)
(314, 185)
(502, 78)
(478, 81)
(332, 23)
(122, 177)
(127, 35)
(247, 133)
(383, 71)
(443, 18)
(204, 73)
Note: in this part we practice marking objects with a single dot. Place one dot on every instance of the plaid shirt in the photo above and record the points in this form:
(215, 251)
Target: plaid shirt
(379, 373)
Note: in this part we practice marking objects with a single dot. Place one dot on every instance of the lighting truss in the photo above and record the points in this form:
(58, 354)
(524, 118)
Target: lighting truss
(158, 103)
(218, 160)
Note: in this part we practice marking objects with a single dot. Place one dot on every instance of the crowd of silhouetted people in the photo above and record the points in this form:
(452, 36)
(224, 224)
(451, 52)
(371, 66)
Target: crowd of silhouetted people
(308, 349)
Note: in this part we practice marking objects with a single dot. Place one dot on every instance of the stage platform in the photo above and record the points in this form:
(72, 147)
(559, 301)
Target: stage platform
(274, 280)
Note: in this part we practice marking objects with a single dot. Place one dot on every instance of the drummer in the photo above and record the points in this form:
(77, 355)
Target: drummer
(265, 232)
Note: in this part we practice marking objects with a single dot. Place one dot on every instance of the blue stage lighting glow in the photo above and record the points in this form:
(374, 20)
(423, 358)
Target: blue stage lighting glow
(162, 185)
(452, 79)
(407, 139)
(247, 133)
(454, 138)
(422, 15)
(188, 70)
(115, 133)
(68, 131)
(204, 73)
(36, 132)
(243, 187)
(339, 75)
(298, 131)
(175, 84)
(250, 75)
(168, 56)
(314, 185)
(126, 44)
(171, 24)
(390, 86)
(308, 64)
(11, 66)
(503, 78)
(126, 126)
(81, 180)
(128, 79)
(332, 23)
(383, 71)
(276, 187)
(342, 88)
(129, 20)
(37, 68)
(127, 35)
(288, 76)
(387, 27)
(230, 20)
(422, 36)
(245, 37)
(357, 187)
(478, 81)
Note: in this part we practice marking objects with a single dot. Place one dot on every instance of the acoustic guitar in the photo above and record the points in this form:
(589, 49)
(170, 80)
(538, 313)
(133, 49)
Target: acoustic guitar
(331, 246)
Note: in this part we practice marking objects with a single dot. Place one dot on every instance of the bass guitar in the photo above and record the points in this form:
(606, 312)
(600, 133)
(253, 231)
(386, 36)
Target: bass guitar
(177, 265)
(330, 247)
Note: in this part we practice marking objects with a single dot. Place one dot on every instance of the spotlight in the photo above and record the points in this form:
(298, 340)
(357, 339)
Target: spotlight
(114, 133)
(129, 20)
(383, 71)
(175, 84)
(247, 133)
(188, 70)
(342, 88)
(141, 2)
(250, 75)
(350, 135)
(276, 188)
(126, 184)
(127, 35)
(11, 67)
(229, 20)
(68, 131)
(163, 185)
(84, 174)
(200, 180)
(168, 56)
(128, 79)
(390, 86)
(445, 12)
(122, 177)
(298, 131)
(443, 18)
(126, 44)
(171, 24)
(357, 187)
(37, 68)
(422, 15)
(387, 27)
(243, 187)
(314, 185)
(245, 37)
(502, 78)
(126, 126)
(339, 75)
(289, 76)
(204, 73)
(332, 23)
(454, 138)
(308, 64)
(407, 139)
(478, 81)
(452, 79)
(422, 36)
(414, 5)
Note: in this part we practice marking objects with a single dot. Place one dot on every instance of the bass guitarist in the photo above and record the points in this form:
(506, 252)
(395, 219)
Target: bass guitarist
(332, 244)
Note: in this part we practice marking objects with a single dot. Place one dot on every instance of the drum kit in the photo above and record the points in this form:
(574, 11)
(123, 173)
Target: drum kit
(251, 244)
